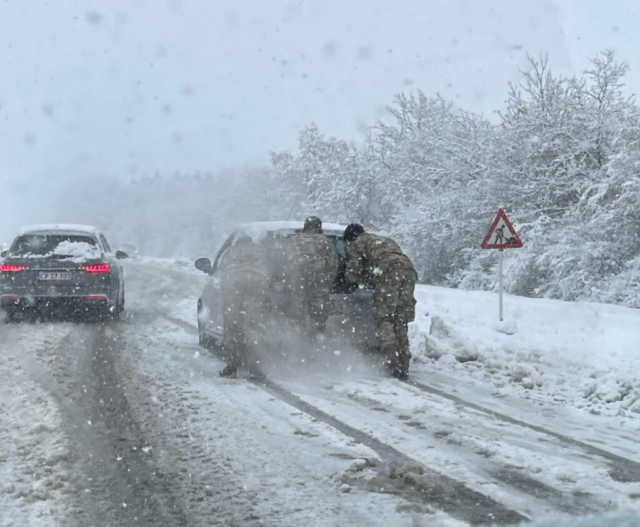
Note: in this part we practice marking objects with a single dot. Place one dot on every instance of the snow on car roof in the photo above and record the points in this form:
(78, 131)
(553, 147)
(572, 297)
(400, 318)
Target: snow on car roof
(261, 228)
(61, 227)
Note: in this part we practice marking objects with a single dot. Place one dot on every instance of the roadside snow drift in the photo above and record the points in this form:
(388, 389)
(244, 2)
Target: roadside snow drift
(583, 354)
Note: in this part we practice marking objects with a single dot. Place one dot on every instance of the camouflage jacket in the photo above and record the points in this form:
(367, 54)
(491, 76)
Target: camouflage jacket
(312, 251)
(370, 257)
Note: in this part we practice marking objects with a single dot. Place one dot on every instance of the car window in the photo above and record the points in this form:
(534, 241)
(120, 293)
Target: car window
(225, 246)
(105, 244)
(339, 245)
(46, 244)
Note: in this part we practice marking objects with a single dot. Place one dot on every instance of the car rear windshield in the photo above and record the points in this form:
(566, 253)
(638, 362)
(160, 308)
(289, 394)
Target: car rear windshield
(48, 244)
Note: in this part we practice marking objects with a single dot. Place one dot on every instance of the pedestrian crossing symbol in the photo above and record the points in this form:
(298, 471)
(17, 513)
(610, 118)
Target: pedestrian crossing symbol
(501, 234)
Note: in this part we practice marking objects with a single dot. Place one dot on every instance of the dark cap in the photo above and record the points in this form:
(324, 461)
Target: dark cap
(243, 239)
(313, 224)
(352, 232)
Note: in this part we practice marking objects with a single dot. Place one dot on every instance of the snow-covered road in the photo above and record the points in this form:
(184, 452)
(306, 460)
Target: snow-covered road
(128, 423)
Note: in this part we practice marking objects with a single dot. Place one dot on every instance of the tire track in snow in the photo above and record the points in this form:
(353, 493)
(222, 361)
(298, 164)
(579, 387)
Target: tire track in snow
(499, 473)
(116, 481)
(447, 494)
(151, 501)
(469, 439)
(622, 470)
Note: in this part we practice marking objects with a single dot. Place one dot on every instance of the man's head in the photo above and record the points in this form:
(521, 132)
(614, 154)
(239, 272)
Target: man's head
(352, 232)
(241, 240)
(313, 224)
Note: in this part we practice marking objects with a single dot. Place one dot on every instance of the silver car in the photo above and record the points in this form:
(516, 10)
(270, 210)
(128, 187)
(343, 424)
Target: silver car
(350, 307)
(53, 268)
(131, 250)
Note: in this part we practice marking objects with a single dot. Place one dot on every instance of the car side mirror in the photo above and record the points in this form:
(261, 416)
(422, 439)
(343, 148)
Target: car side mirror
(121, 255)
(3, 254)
(204, 265)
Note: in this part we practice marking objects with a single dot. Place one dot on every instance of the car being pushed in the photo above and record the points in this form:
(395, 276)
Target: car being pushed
(66, 269)
(350, 308)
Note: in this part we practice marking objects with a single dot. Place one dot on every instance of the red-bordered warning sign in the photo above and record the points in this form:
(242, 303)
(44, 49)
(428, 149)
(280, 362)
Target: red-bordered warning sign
(501, 234)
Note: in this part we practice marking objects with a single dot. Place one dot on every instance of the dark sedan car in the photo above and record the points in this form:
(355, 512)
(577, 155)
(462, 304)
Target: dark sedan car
(350, 309)
(68, 268)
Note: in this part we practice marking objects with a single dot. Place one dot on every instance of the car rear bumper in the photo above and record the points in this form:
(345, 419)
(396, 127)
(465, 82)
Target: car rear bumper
(21, 300)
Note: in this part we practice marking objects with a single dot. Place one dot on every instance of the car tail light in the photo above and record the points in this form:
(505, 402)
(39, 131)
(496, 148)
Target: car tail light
(95, 297)
(95, 269)
(8, 268)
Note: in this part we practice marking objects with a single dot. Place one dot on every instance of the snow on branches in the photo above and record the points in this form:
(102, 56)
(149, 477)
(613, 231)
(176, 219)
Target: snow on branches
(563, 160)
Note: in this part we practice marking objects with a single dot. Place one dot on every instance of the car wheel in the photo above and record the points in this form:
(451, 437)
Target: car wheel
(201, 335)
(203, 339)
(207, 342)
(113, 312)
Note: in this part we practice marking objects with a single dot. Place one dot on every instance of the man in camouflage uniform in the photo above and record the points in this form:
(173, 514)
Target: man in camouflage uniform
(378, 263)
(311, 266)
(245, 290)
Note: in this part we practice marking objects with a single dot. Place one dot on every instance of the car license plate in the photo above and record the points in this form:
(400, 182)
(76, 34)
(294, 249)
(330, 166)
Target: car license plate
(335, 307)
(54, 275)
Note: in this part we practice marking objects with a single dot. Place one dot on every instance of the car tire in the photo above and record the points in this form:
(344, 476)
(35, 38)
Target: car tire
(203, 338)
(201, 335)
(207, 342)
(113, 312)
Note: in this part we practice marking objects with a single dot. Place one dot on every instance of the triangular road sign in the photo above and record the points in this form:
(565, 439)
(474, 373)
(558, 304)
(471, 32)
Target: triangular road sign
(501, 234)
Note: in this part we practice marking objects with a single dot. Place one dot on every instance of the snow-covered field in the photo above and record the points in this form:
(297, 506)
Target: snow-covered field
(534, 418)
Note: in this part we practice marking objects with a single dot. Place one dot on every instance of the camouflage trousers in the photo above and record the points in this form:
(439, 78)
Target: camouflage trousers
(394, 306)
(310, 300)
(244, 297)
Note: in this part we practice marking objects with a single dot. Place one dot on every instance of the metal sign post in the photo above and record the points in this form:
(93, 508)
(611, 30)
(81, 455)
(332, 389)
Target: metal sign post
(497, 238)
(500, 282)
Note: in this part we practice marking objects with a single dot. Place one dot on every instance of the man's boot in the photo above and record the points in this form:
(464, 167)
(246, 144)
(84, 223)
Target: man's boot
(399, 372)
(230, 371)
(253, 369)
(402, 369)
(393, 364)
(397, 362)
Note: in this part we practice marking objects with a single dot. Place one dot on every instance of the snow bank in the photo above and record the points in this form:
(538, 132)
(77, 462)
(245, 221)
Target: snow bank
(179, 264)
(584, 354)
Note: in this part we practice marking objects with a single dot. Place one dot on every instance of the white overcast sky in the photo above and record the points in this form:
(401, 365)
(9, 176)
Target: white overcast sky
(127, 87)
